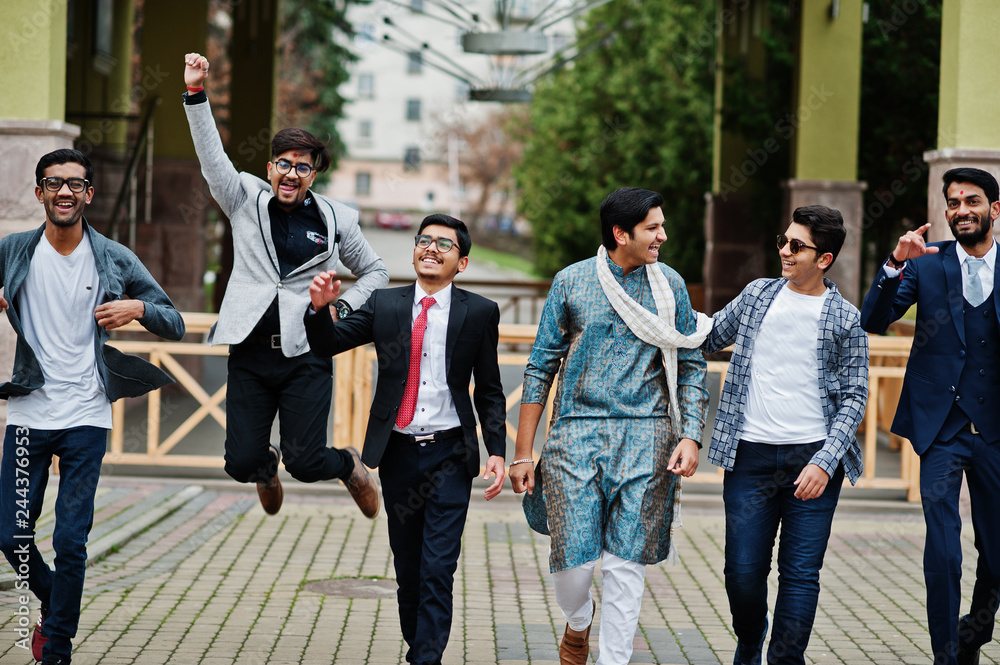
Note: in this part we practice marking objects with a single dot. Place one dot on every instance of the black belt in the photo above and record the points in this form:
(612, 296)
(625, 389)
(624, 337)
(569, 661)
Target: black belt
(971, 427)
(263, 342)
(435, 437)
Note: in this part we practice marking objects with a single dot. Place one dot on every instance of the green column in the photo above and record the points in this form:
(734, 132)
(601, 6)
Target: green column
(33, 59)
(828, 92)
(967, 111)
(968, 132)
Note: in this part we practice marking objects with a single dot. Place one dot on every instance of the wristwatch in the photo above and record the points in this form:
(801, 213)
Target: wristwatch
(894, 262)
(343, 309)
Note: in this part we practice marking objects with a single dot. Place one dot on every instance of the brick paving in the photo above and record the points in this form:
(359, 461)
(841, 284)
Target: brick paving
(214, 581)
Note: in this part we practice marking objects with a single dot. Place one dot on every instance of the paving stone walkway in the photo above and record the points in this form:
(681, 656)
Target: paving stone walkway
(206, 578)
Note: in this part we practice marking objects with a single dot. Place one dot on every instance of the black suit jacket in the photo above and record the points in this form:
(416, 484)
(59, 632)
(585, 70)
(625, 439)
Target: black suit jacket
(386, 320)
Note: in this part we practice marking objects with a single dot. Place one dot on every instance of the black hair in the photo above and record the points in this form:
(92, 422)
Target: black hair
(64, 156)
(978, 177)
(826, 226)
(625, 208)
(294, 138)
(461, 230)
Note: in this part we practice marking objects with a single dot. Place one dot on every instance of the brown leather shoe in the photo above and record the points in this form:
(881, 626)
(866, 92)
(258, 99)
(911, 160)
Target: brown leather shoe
(362, 487)
(575, 645)
(270, 493)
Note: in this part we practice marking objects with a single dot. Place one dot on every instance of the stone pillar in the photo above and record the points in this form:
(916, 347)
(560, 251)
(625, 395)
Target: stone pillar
(968, 134)
(846, 197)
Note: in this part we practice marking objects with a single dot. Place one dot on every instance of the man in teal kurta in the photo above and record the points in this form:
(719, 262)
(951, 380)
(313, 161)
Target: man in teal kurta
(607, 478)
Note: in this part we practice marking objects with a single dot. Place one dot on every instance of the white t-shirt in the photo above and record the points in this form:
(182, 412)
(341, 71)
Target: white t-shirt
(783, 403)
(57, 303)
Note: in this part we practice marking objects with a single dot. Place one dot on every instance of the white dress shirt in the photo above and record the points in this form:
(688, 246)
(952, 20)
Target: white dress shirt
(435, 409)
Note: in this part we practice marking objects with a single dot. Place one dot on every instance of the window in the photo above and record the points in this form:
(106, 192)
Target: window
(414, 62)
(413, 109)
(366, 86)
(411, 159)
(417, 5)
(364, 129)
(363, 183)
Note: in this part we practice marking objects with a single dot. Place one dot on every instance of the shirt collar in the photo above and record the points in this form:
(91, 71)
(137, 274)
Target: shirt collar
(990, 257)
(441, 299)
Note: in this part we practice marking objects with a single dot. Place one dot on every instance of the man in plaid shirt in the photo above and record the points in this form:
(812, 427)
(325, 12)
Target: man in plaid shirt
(784, 433)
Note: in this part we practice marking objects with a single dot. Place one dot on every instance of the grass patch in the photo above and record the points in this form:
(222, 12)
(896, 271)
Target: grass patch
(505, 261)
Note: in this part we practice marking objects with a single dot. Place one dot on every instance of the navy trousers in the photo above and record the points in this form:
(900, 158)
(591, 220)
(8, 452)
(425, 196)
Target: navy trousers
(426, 490)
(941, 468)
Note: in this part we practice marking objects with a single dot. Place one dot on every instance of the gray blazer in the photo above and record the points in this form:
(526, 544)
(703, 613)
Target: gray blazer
(255, 279)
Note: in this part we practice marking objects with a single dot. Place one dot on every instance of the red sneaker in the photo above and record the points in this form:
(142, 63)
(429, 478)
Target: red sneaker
(37, 639)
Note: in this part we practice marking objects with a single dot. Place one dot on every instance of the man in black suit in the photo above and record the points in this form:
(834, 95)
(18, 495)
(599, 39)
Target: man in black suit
(431, 339)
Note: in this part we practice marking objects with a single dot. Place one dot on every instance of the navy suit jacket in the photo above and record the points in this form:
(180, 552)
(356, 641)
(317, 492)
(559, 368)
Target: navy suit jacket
(471, 351)
(937, 357)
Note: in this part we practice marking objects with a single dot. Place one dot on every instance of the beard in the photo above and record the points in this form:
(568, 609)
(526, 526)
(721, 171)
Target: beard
(976, 234)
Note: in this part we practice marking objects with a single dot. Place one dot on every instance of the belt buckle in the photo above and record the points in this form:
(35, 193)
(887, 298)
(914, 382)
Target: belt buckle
(972, 427)
(275, 341)
(423, 438)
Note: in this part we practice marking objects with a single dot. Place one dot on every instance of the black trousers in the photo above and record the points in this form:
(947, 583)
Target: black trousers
(264, 383)
(426, 490)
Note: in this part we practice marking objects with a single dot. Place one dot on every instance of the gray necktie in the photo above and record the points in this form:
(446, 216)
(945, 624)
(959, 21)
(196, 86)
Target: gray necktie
(973, 285)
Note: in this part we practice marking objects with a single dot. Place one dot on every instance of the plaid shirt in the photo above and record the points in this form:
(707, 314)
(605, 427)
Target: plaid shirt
(842, 351)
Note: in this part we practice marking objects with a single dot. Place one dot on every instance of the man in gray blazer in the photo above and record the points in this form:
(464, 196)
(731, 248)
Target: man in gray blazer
(283, 235)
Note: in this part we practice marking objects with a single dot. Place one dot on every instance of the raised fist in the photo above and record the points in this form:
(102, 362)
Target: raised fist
(195, 70)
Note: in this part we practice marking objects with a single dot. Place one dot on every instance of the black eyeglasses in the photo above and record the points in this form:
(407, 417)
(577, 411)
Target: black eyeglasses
(793, 245)
(54, 184)
(284, 167)
(443, 244)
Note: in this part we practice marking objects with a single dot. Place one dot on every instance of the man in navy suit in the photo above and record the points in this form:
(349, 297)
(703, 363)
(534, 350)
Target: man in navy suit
(431, 339)
(948, 408)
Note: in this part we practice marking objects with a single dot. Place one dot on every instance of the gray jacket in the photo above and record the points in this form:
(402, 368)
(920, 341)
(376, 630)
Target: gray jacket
(255, 279)
(121, 274)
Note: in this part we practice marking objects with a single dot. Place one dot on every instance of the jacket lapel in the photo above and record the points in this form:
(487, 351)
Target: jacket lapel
(264, 228)
(404, 321)
(455, 320)
(953, 280)
(325, 213)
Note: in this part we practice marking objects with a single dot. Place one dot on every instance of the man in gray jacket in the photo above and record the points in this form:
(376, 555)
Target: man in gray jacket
(65, 286)
(283, 235)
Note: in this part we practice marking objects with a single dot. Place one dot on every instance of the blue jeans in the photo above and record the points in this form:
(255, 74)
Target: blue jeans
(24, 473)
(758, 495)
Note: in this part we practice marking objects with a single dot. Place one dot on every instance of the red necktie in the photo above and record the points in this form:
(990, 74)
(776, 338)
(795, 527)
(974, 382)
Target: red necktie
(409, 404)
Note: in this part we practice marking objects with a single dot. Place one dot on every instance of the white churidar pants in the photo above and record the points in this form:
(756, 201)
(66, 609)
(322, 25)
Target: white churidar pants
(624, 584)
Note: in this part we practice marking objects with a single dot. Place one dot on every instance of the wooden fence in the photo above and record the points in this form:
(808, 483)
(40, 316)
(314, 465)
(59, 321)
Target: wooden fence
(353, 383)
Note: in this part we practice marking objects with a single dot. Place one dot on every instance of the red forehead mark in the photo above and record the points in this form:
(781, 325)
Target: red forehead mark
(295, 154)
(960, 193)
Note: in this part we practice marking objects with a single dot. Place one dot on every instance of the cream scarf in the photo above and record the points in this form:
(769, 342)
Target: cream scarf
(656, 329)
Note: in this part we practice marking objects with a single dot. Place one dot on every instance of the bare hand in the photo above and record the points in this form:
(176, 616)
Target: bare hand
(325, 289)
(117, 313)
(3, 304)
(684, 461)
(811, 482)
(912, 244)
(494, 465)
(522, 477)
(195, 70)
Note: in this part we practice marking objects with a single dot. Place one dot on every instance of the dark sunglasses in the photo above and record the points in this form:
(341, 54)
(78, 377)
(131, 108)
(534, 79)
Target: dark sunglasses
(793, 245)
